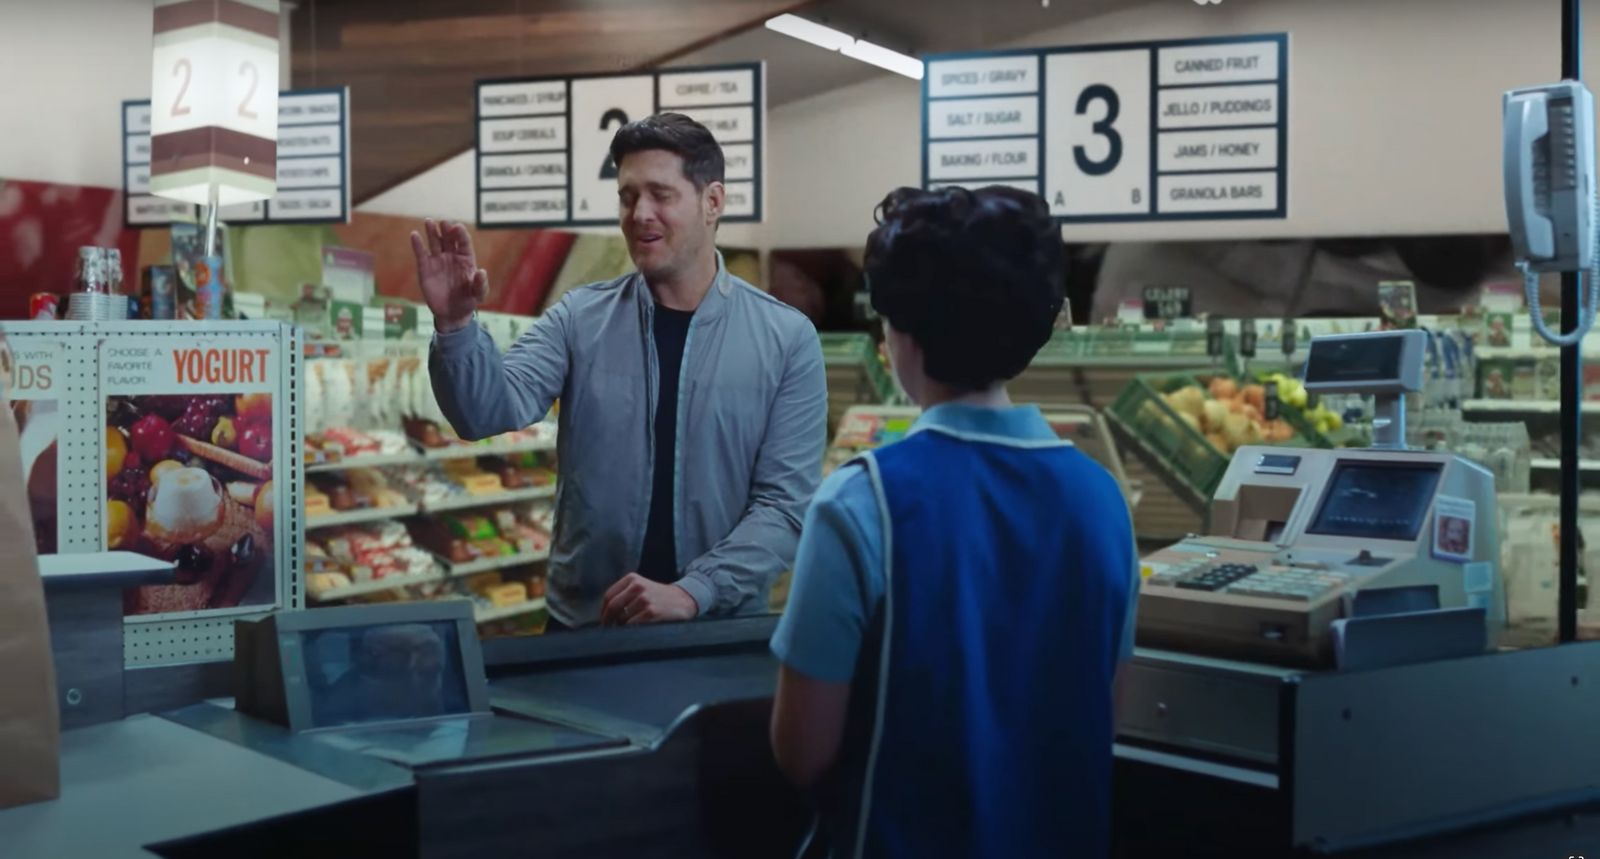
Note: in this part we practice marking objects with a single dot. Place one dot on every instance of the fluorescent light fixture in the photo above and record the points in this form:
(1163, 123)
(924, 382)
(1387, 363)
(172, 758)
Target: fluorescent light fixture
(830, 39)
(810, 31)
(883, 58)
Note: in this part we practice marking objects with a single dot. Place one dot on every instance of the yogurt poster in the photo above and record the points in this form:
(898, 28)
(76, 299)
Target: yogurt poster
(30, 371)
(189, 459)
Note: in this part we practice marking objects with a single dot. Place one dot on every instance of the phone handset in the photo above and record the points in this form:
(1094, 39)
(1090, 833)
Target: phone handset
(1550, 193)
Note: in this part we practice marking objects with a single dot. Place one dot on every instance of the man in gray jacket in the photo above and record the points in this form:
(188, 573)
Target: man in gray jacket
(693, 406)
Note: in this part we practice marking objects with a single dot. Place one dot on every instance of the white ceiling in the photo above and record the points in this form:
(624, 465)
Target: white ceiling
(797, 70)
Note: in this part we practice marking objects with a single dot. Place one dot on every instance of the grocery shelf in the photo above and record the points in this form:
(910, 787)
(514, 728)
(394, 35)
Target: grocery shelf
(490, 615)
(467, 501)
(489, 564)
(361, 517)
(371, 461)
(1539, 350)
(1554, 464)
(372, 586)
(1525, 407)
(465, 451)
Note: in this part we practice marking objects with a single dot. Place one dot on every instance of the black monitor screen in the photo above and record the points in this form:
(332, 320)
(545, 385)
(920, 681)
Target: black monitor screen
(386, 673)
(1379, 501)
(1364, 359)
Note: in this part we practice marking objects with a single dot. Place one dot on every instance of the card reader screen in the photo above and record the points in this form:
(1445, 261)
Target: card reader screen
(1369, 359)
(1379, 501)
(384, 673)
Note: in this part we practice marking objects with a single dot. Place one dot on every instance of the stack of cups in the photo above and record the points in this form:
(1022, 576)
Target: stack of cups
(119, 300)
(92, 299)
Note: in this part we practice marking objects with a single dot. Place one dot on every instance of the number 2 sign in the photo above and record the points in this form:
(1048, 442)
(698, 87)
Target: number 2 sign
(214, 100)
(544, 144)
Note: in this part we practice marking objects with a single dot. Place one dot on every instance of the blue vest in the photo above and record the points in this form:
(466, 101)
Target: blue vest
(981, 714)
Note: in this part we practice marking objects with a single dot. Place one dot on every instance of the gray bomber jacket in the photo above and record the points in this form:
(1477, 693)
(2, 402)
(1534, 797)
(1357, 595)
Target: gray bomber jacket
(752, 424)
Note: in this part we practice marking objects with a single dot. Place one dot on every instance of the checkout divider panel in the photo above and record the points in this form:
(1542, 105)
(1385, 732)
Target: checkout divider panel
(91, 367)
(1426, 748)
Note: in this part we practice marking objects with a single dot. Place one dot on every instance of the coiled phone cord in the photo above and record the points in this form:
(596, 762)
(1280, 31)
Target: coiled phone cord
(1586, 311)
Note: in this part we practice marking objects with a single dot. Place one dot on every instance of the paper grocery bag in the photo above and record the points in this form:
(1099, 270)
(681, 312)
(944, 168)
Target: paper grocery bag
(30, 725)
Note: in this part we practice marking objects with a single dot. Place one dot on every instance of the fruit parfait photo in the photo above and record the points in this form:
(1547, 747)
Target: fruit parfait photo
(189, 480)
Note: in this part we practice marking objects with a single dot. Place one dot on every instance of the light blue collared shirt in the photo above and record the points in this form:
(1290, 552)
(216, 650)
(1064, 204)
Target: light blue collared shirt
(838, 569)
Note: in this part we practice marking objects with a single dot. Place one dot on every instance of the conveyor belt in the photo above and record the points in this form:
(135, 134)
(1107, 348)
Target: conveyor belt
(637, 700)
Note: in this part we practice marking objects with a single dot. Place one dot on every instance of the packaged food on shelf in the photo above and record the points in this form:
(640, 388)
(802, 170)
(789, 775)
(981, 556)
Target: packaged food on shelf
(509, 593)
(321, 583)
(519, 471)
(355, 489)
(377, 551)
(472, 478)
(541, 516)
(1503, 448)
(465, 526)
(1529, 552)
(425, 432)
(481, 583)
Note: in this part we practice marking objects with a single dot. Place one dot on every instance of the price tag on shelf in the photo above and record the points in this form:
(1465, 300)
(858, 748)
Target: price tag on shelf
(1172, 130)
(1167, 302)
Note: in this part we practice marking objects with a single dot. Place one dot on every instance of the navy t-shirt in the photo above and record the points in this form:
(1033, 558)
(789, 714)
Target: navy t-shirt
(659, 559)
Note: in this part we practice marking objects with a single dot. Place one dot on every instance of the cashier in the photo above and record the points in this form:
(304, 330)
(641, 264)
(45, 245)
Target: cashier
(693, 405)
(962, 598)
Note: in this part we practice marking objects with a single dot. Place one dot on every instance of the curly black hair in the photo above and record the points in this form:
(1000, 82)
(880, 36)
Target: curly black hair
(678, 134)
(976, 278)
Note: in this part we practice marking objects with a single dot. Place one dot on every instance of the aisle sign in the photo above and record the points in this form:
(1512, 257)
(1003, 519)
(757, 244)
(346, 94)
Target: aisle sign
(313, 166)
(140, 208)
(543, 157)
(1188, 129)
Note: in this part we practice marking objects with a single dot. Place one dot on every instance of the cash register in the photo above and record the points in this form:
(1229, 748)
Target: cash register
(1303, 543)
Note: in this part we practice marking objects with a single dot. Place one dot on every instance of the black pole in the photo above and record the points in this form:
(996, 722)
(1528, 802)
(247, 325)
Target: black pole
(1571, 375)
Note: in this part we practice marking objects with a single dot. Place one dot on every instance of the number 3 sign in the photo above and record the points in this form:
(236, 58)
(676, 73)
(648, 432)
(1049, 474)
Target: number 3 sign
(214, 100)
(1179, 130)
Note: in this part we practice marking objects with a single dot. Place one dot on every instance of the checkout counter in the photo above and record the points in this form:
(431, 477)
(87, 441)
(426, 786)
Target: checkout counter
(391, 730)
(1321, 671)
(1317, 676)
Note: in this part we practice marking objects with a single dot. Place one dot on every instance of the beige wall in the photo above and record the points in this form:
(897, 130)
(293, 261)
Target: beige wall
(66, 66)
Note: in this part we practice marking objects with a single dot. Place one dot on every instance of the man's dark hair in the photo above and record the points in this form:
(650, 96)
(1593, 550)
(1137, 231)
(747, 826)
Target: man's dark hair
(678, 134)
(975, 277)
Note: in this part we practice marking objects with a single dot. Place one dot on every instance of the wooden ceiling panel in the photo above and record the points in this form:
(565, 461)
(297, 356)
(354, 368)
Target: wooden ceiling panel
(411, 65)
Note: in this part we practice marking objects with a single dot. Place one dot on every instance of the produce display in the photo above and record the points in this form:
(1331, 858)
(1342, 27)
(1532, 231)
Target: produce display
(1228, 415)
(189, 480)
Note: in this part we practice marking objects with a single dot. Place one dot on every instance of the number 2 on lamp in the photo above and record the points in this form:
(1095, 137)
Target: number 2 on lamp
(249, 68)
(185, 68)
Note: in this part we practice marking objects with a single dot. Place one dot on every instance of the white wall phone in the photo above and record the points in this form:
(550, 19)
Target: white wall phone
(1550, 192)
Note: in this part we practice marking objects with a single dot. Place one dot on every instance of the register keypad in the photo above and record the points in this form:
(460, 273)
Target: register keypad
(1286, 583)
(1217, 577)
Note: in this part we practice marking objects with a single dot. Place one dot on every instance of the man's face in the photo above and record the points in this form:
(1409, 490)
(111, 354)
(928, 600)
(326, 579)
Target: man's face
(667, 221)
